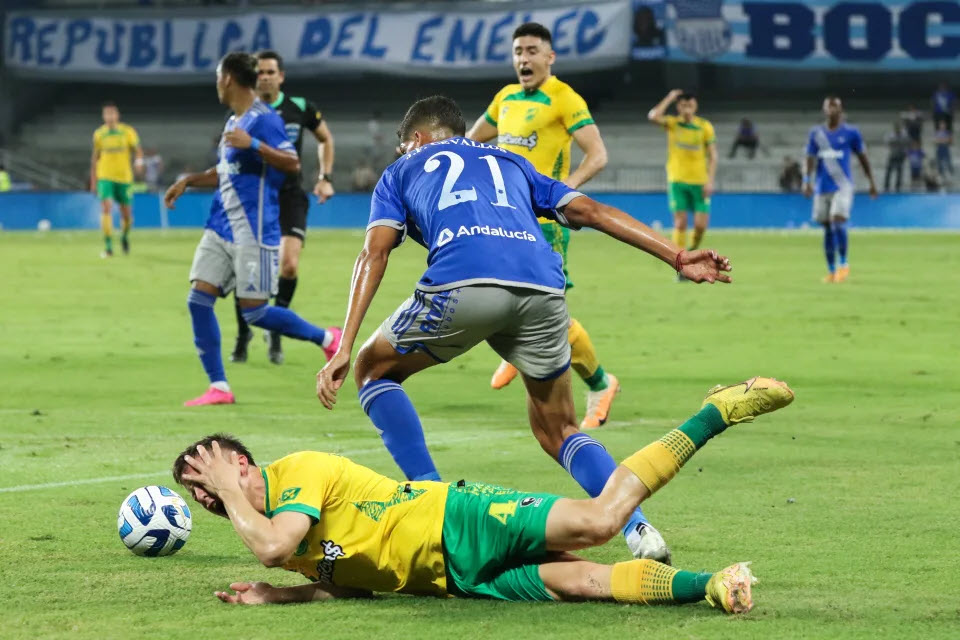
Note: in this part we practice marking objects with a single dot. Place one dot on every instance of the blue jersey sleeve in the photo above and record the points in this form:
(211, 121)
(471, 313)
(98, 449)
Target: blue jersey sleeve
(856, 141)
(386, 206)
(548, 196)
(269, 129)
(811, 144)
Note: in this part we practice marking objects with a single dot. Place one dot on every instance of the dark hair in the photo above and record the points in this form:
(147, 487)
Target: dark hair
(433, 112)
(109, 103)
(242, 66)
(225, 440)
(270, 54)
(533, 29)
(687, 95)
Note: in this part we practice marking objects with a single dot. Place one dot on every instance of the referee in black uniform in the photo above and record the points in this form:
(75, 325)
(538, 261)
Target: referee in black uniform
(298, 115)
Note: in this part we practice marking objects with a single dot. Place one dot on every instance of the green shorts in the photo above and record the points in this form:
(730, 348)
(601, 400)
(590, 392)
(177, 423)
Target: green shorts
(559, 239)
(493, 542)
(119, 192)
(687, 197)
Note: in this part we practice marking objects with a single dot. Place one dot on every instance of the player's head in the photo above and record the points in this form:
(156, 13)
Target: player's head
(687, 105)
(269, 73)
(110, 113)
(236, 72)
(832, 108)
(207, 499)
(428, 120)
(533, 54)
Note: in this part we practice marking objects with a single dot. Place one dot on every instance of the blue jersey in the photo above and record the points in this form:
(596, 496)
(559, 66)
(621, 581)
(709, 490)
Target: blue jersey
(245, 209)
(833, 149)
(474, 207)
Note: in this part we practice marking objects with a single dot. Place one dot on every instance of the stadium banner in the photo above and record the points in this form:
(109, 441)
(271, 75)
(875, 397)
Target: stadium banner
(817, 34)
(457, 40)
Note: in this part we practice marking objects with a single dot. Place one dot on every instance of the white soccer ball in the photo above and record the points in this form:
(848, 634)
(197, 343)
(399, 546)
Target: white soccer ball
(154, 521)
(43, 225)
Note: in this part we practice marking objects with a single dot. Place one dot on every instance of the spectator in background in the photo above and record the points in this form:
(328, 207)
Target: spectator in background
(746, 138)
(932, 180)
(942, 103)
(915, 157)
(152, 169)
(364, 177)
(942, 138)
(791, 175)
(912, 120)
(4, 178)
(897, 145)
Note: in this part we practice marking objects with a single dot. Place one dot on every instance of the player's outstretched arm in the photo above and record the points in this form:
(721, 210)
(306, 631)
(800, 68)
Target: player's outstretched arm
(482, 130)
(703, 265)
(207, 178)
(868, 171)
(323, 189)
(656, 114)
(368, 271)
(266, 593)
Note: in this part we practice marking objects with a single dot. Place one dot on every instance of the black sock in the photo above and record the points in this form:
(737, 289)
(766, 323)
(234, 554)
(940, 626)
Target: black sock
(242, 326)
(285, 289)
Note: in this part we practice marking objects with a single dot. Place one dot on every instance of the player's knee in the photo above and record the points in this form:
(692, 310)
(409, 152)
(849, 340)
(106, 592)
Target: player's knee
(289, 266)
(598, 525)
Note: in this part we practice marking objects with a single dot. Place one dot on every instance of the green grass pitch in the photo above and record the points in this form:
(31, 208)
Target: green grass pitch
(846, 501)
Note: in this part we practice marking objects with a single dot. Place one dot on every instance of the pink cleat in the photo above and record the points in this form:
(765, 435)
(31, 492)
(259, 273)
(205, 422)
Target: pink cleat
(212, 396)
(332, 349)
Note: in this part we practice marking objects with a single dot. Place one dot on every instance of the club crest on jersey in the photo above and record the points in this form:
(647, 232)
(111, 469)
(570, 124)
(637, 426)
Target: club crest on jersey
(508, 138)
(530, 501)
(700, 28)
(331, 551)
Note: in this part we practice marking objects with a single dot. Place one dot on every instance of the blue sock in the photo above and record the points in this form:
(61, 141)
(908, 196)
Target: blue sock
(283, 321)
(206, 333)
(590, 465)
(397, 423)
(840, 231)
(829, 247)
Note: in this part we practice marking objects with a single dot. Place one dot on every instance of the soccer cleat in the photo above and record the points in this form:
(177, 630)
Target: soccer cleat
(212, 396)
(274, 350)
(240, 346)
(744, 401)
(731, 588)
(125, 245)
(645, 542)
(106, 254)
(335, 343)
(599, 402)
(830, 278)
(504, 375)
(842, 274)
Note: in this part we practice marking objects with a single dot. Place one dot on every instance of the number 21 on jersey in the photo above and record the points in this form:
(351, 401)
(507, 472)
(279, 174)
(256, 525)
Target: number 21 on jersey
(449, 197)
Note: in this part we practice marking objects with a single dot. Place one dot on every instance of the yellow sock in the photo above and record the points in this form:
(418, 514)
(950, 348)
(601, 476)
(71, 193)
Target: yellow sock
(583, 357)
(106, 224)
(697, 237)
(657, 463)
(642, 582)
(680, 238)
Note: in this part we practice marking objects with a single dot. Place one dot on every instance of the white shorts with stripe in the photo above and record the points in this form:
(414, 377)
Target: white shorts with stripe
(249, 268)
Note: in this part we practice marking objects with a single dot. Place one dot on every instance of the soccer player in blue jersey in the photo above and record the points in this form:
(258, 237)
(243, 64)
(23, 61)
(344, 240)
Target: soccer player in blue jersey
(828, 177)
(242, 236)
(491, 276)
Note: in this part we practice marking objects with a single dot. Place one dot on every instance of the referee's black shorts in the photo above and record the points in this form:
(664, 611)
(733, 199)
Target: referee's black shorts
(293, 213)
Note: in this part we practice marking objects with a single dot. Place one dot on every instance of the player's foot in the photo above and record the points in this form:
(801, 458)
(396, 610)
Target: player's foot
(744, 401)
(106, 254)
(646, 542)
(240, 347)
(212, 396)
(274, 350)
(504, 375)
(842, 273)
(830, 278)
(731, 588)
(335, 343)
(599, 403)
(125, 245)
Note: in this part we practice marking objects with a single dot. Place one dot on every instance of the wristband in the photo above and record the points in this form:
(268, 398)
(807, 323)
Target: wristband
(254, 144)
(324, 176)
(676, 262)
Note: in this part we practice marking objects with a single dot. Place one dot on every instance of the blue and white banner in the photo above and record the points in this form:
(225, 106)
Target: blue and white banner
(825, 34)
(472, 39)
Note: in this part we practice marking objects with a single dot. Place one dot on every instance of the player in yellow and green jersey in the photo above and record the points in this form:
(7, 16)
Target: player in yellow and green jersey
(352, 531)
(111, 176)
(691, 164)
(537, 118)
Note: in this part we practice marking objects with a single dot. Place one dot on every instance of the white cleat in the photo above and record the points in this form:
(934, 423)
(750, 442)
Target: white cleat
(646, 542)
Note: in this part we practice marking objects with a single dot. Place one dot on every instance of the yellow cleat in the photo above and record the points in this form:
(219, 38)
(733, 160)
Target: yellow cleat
(731, 588)
(599, 403)
(842, 273)
(504, 375)
(746, 400)
(830, 278)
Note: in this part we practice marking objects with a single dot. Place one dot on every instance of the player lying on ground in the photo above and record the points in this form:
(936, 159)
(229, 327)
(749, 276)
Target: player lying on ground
(491, 276)
(352, 531)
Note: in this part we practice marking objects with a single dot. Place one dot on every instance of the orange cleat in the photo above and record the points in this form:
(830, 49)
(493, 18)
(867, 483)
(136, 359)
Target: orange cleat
(830, 278)
(842, 273)
(212, 396)
(598, 404)
(504, 375)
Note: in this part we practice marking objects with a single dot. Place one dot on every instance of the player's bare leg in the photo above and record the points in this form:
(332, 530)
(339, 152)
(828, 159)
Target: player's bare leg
(126, 222)
(106, 226)
(553, 421)
(700, 223)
